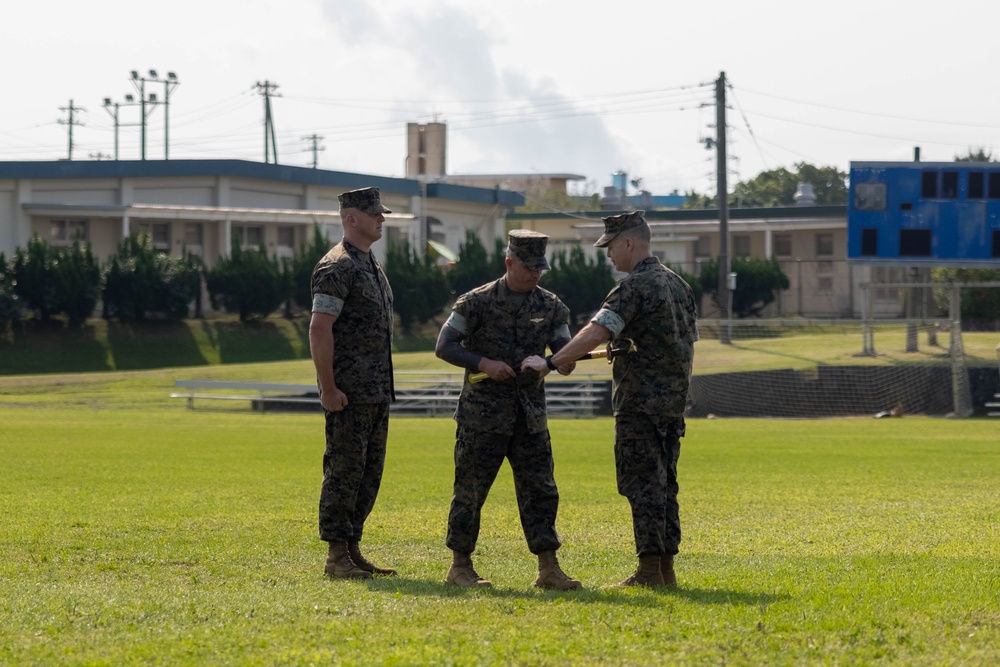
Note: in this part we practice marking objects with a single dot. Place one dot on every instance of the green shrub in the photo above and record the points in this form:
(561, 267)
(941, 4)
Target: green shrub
(302, 266)
(420, 290)
(579, 282)
(10, 305)
(475, 266)
(77, 277)
(34, 278)
(248, 282)
(757, 284)
(138, 280)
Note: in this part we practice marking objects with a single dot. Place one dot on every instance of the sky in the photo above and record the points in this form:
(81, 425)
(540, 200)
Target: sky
(524, 86)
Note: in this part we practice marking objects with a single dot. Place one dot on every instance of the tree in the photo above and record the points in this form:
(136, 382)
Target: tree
(579, 282)
(977, 302)
(303, 263)
(474, 266)
(77, 277)
(138, 280)
(776, 187)
(976, 155)
(247, 282)
(34, 279)
(693, 199)
(757, 283)
(10, 306)
(419, 289)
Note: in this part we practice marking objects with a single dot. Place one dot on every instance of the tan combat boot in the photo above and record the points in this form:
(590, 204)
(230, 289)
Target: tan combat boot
(551, 576)
(355, 551)
(339, 564)
(463, 574)
(647, 574)
(667, 570)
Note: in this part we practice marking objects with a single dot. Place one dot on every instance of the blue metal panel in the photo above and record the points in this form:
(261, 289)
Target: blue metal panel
(928, 217)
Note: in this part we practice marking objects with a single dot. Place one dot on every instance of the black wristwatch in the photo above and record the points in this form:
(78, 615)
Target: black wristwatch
(548, 362)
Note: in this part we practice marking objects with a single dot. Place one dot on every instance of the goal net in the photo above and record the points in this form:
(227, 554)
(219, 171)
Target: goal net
(810, 368)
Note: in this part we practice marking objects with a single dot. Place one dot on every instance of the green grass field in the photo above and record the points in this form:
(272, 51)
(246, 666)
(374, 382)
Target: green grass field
(136, 532)
(112, 346)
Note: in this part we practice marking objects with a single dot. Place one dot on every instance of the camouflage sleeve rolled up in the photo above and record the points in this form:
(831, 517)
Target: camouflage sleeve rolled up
(656, 309)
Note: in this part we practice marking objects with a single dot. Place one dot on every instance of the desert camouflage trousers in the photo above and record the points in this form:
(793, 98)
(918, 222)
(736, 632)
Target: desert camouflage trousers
(352, 469)
(646, 452)
(478, 457)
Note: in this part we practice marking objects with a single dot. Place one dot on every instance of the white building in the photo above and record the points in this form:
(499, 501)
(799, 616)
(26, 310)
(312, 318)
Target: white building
(201, 205)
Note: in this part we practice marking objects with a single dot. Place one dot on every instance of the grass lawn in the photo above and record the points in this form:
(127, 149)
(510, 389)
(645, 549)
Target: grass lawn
(136, 532)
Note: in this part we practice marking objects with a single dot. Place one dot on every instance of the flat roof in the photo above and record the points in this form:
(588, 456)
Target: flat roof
(81, 169)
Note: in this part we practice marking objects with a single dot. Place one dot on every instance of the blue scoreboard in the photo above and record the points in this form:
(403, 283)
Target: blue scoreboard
(924, 214)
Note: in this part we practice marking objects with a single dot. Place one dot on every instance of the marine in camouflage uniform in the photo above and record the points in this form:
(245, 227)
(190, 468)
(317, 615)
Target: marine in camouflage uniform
(350, 334)
(656, 309)
(492, 329)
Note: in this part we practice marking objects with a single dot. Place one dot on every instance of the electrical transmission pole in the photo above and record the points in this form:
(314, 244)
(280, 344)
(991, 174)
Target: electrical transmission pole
(722, 196)
(315, 148)
(267, 89)
(71, 121)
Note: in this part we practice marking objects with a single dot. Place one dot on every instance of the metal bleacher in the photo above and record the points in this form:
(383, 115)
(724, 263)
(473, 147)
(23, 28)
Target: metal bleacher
(418, 393)
(993, 407)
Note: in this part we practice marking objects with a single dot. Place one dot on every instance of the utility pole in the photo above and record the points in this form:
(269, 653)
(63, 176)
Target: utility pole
(139, 82)
(169, 84)
(315, 148)
(112, 109)
(71, 121)
(268, 90)
(722, 197)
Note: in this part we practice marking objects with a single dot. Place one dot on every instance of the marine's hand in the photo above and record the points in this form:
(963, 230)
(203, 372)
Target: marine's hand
(497, 370)
(567, 368)
(535, 363)
(333, 400)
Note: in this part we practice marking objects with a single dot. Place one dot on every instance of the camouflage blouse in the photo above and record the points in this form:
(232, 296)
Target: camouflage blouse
(500, 326)
(352, 286)
(656, 309)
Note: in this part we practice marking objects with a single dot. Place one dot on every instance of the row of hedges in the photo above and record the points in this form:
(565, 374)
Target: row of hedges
(138, 283)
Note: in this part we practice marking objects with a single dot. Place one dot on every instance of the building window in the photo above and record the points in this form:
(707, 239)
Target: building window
(824, 245)
(869, 197)
(193, 239)
(158, 233)
(949, 184)
(286, 237)
(64, 232)
(250, 236)
(869, 242)
(703, 247)
(824, 285)
(881, 274)
(994, 185)
(977, 185)
(783, 245)
(741, 245)
(928, 189)
(915, 243)
(286, 242)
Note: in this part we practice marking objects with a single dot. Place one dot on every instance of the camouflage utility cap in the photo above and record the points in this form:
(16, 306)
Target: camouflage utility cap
(616, 224)
(529, 247)
(365, 200)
